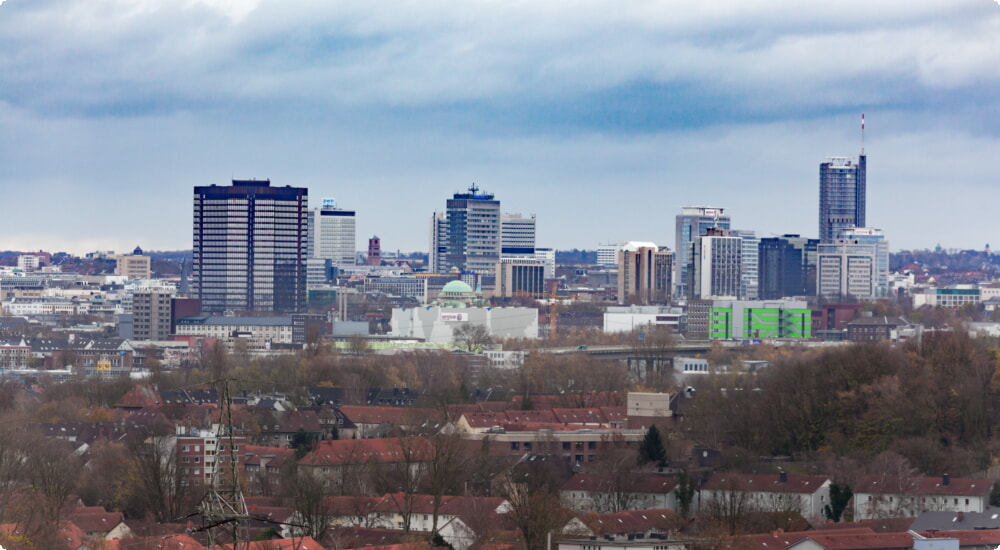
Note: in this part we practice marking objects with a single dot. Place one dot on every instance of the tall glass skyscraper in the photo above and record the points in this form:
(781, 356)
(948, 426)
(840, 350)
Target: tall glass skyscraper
(842, 190)
(250, 247)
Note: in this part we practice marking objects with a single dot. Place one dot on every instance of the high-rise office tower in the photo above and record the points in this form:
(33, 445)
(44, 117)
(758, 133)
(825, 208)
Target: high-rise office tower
(841, 196)
(250, 247)
(749, 277)
(472, 235)
(787, 267)
(692, 222)
(332, 234)
(151, 313)
(517, 236)
(644, 271)
(715, 265)
(439, 243)
(872, 236)
(847, 270)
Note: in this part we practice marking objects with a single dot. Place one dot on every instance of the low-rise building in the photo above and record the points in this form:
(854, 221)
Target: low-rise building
(893, 496)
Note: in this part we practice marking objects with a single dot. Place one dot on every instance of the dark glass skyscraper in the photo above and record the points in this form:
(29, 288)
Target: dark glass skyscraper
(250, 247)
(841, 196)
(787, 267)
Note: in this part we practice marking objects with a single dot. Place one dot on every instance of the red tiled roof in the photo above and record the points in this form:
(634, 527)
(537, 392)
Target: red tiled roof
(296, 543)
(141, 396)
(359, 451)
(161, 542)
(395, 416)
(485, 419)
(532, 416)
(600, 482)
(633, 521)
(349, 506)
(357, 537)
(957, 486)
(580, 416)
(779, 540)
(768, 483)
(96, 522)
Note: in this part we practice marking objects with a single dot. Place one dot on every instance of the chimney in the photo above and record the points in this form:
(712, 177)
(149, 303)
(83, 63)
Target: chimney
(960, 517)
(783, 477)
(946, 480)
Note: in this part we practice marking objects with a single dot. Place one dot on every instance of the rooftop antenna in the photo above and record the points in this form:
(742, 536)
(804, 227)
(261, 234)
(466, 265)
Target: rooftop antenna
(473, 188)
(862, 133)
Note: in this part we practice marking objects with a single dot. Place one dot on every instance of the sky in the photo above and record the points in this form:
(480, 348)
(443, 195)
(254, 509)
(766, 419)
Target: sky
(603, 118)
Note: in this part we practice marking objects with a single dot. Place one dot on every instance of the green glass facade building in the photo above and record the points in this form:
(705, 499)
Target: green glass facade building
(759, 319)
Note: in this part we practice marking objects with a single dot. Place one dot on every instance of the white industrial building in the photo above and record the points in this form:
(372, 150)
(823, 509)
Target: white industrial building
(436, 324)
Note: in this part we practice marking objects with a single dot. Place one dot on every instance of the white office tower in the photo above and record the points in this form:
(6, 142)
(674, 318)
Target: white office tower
(715, 265)
(847, 270)
(517, 236)
(547, 256)
(607, 254)
(872, 236)
(332, 234)
(749, 263)
(439, 242)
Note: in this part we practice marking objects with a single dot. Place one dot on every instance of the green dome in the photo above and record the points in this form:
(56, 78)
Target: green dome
(456, 287)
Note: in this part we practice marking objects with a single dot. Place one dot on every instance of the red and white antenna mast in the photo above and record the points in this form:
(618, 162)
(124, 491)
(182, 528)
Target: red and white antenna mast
(862, 133)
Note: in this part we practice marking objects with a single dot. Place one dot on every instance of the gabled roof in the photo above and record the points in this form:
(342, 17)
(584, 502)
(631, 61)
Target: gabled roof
(633, 521)
(96, 522)
(293, 421)
(396, 416)
(532, 416)
(356, 537)
(931, 486)
(580, 416)
(361, 451)
(766, 483)
(779, 540)
(142, 395)
(649, 483)
(450, 505)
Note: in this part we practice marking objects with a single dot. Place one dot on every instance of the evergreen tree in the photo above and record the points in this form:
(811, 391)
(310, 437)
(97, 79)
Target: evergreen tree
(840, 496)
(651, 449)
(685, 494)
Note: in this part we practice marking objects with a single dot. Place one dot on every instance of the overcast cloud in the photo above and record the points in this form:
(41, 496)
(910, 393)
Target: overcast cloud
(602, 117)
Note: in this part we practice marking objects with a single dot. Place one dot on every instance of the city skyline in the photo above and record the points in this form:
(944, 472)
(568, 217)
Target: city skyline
(112, 110)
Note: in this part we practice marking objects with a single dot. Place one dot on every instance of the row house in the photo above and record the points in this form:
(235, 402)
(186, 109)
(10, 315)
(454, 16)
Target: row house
(460, 520)
(783, 492)
(602, 492)
(344, 465)
(890, 496)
